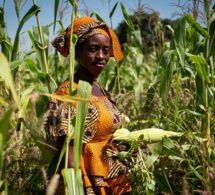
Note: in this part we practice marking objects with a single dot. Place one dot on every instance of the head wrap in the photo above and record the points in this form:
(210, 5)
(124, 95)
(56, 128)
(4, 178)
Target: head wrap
(84, 28)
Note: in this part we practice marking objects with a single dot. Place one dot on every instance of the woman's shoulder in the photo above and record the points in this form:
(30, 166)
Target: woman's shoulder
(63, 88)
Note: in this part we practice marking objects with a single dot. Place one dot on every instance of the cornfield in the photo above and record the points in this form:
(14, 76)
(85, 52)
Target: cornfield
(171, 89)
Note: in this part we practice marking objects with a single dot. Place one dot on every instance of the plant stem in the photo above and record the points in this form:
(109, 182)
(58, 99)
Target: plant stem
(178, 77)
(206, 122)
(43, 47)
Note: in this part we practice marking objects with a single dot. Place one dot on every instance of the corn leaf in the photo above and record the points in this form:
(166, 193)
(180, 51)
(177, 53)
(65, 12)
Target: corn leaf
(212, 39)
(15, 64)
(56, 5)
(84, 90)
(138, 39)
(150, 94)
(201, 66)
(4, 122)
(63, 150)
(167, 73)
(97, 16)
(25, 97)
(169, 150)
(180, 39)
(69, 180)
(66, 98)
(17, 8)
(155, 150)
(5, 72)
(33, 10)
(35, 47)
(1, 183)
(4, 38)
(194, 39)
(113, 10)
(162, 183)
(196, 26)
(36, 37)
(126, 16)
(138, 93)
(105, 74)
(200, 84)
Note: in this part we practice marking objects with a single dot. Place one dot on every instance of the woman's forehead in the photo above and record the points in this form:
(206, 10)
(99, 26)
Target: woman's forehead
(98, 39)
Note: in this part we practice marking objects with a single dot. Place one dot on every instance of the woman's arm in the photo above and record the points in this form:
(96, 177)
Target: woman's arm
(71, 155)
(60, 143)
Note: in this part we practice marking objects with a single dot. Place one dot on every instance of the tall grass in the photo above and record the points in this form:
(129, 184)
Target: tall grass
(174, 91)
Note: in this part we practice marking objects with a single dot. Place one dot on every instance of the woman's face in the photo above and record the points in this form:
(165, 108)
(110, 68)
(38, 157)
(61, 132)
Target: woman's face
(94, 53)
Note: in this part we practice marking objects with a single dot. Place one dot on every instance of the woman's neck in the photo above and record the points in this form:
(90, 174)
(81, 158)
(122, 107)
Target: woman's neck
(82, 74)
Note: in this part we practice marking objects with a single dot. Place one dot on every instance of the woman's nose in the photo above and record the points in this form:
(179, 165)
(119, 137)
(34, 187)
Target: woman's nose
(100, 54)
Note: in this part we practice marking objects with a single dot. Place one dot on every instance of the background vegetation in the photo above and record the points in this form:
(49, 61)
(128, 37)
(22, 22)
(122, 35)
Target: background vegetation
(166, 80)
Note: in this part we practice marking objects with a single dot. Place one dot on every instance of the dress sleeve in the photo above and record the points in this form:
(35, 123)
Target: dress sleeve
(56, 121)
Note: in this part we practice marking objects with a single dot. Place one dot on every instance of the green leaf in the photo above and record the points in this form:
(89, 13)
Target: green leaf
(66, 98)
(162, 183)
(126, 16)
(63, 150)
(5, 72)
(15, 64)
(150, 94)
(200, 89)
(37, 51)
(155, 150)
(36, 37)
(25, 97)
(70, 180)
(138, 93)
(3, 102)
(105, 74)
(56, 5)
(113, 10)
(17, 8)
(186, 164)
(170, 151)
(4, 122)
(201, 66)
(180, 38)
(167, 73)
(207, 8)
(212, 39)
(138, 39)
(84, 91)
(4, 38)
(196, 26)
(97, 16)
(1, 184)
(33, 10)
(194, 39)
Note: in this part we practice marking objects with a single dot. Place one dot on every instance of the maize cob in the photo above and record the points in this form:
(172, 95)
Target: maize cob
(149, 135)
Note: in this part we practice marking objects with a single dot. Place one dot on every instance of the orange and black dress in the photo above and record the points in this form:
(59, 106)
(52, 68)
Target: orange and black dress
(102, 172)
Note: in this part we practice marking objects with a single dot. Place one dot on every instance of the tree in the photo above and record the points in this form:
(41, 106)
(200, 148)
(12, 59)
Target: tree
(154, 31)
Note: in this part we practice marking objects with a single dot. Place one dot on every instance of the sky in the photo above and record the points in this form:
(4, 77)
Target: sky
(46, 15)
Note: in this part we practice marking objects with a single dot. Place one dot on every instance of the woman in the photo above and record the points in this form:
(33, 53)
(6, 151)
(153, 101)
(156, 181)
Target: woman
(102, 172)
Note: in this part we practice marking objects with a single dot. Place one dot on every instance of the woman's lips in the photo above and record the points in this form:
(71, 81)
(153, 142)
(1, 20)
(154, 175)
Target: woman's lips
(100, 65)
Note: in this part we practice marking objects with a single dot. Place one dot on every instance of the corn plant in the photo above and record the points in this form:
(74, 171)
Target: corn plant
(173, 91)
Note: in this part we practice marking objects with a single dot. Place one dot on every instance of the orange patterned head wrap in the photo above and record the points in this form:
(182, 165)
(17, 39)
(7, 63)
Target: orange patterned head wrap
(84, 28)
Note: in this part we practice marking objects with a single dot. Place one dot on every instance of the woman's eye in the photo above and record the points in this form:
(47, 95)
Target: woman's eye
(92, 49)
(106, 50)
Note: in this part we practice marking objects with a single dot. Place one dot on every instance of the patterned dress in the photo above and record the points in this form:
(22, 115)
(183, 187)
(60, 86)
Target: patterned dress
(102, 172)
